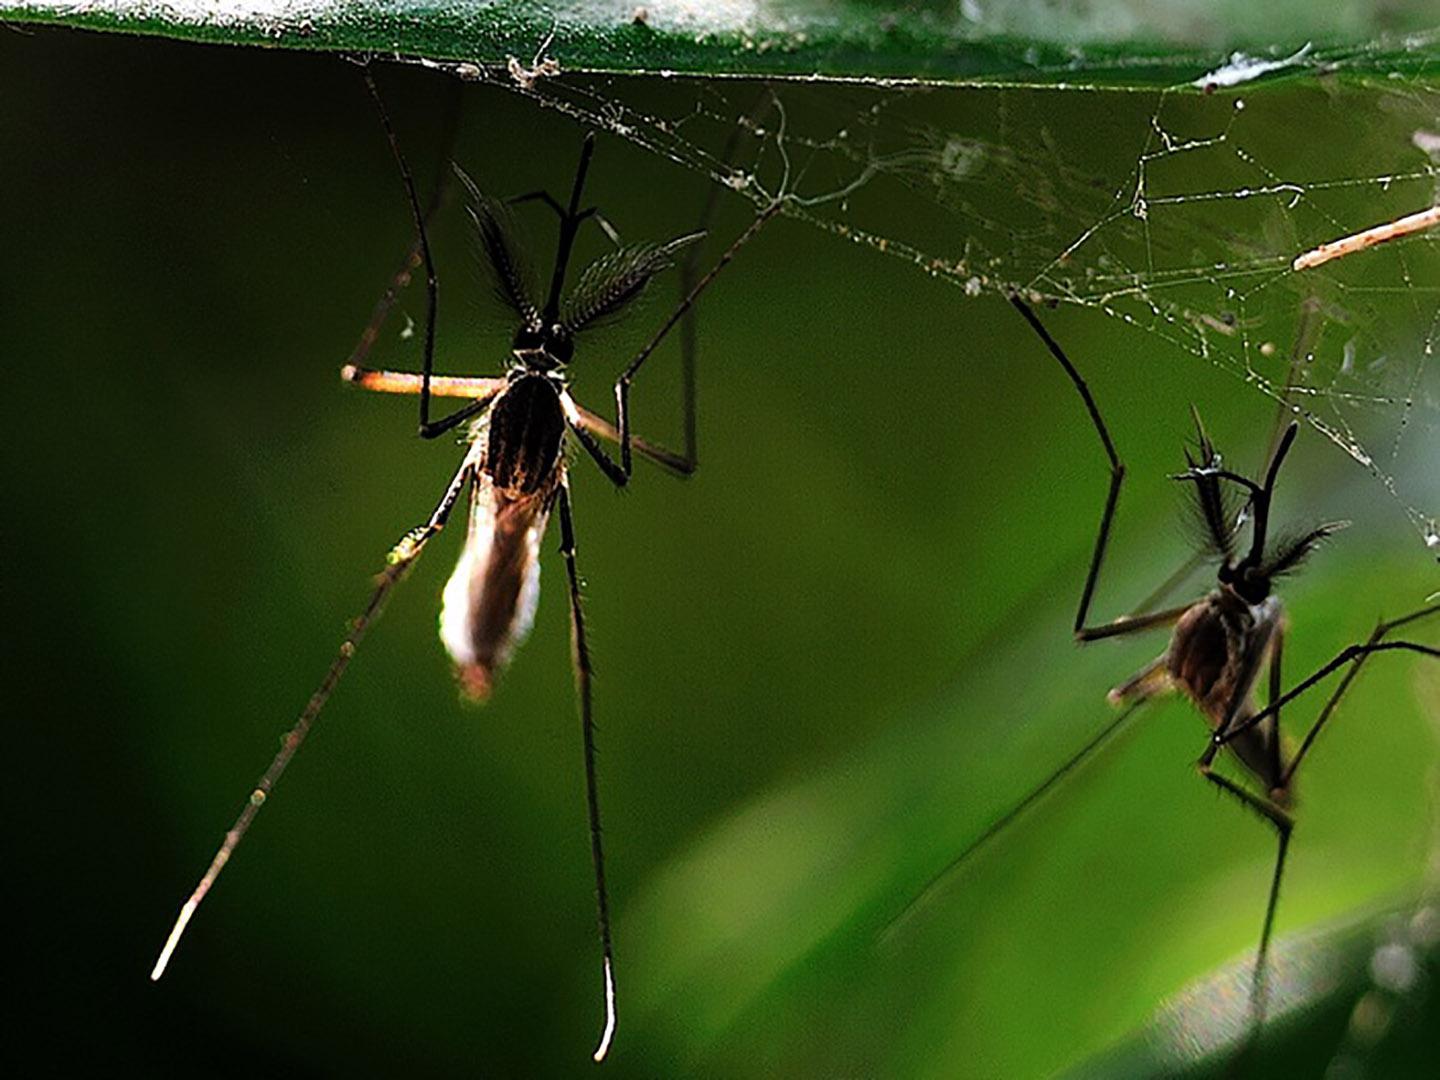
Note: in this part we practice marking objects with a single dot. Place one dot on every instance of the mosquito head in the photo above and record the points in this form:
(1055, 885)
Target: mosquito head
(1252, 575)
(538, 349)
(1248, 581)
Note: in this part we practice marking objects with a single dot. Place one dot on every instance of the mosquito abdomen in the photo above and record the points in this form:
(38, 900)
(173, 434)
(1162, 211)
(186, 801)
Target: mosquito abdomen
(489, 601)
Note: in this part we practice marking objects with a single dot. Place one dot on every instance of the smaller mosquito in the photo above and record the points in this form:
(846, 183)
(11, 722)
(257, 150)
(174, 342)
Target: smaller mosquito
(516, 472)
(1220, 645)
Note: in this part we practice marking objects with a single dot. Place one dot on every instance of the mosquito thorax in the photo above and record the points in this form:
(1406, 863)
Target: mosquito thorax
(542, 350)
(524, 434)
(1207, 652)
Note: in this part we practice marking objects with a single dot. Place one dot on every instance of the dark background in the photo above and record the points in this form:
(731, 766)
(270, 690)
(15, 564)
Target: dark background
(826, 662)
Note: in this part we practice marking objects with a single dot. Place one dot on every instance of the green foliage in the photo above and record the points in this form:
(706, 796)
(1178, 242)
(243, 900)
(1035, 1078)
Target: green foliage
(1115, 42)
(826, 663)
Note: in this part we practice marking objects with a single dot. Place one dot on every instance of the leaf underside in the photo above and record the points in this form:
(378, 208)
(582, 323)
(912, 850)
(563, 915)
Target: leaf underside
(1138, 43)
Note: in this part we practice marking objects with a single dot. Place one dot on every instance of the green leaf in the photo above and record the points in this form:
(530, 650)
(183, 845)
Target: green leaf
(1354, 995)
(1117, 42)
(827, 662)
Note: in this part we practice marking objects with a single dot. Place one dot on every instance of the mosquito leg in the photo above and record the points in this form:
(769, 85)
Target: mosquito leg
(1374, 644)
(666, 459)
(401, 557)
(1230, 723)
(1283, 825)
(690, 288)
(1123, 624)
(1356, 656)
(1258, 988)
(409, 382)
(1350, 654)
(480, 391)
(428, 430)
(689, 332)
(412, 260)
(583, 674)
(685, 465)
(1132, 624)
(613, 472)
(622, 384)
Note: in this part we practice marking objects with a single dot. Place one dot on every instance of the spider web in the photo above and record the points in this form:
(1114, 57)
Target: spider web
(1177, 213)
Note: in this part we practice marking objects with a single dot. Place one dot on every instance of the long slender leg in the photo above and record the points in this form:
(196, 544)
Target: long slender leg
(583, 675)
(1277, 660)
(689, 334)
(480, 391)
(666, 459)
(409, 382)
(1246, 674)
(1350, 654)
(1277, 816)
(1266, 808)
(1117, 477)
(401, 557)
(1258, 988)
(1283, 825)
(1130, 624)
(683, 464)
(1272, 812)
(587, 441)
(1334, 700)
(1000, 824)
(622, 384)
(428, 430)
(412, 260)
(586, 426)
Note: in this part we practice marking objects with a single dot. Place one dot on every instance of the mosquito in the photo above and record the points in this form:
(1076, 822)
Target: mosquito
(521, 426)
(1220, 646)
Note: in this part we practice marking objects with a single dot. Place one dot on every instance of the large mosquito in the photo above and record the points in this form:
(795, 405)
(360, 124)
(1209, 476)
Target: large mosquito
(515, 471)
(1220, 645)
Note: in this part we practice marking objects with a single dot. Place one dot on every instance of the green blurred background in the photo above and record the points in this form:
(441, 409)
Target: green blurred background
(825, 662)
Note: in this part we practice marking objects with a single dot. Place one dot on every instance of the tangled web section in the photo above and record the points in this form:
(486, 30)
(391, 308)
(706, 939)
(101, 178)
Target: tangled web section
(1178, 213)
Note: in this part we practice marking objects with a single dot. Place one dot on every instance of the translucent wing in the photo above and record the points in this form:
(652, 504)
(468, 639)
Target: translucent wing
(613, 281)
(511, 274)
(489, 602)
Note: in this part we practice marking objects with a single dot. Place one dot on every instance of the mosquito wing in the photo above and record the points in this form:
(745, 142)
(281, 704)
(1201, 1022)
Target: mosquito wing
(489, 602)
